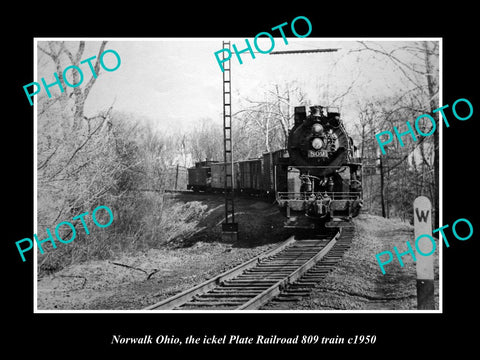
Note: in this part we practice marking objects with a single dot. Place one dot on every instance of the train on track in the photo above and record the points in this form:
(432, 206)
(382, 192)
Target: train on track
(316, 181)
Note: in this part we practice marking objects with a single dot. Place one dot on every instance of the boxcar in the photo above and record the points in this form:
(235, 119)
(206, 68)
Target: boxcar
(250, 176)
(199, 179)
(218, 176)
(218, 179)
(275, 171)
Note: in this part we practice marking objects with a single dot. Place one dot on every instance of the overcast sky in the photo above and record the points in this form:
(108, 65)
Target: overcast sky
(176, 82)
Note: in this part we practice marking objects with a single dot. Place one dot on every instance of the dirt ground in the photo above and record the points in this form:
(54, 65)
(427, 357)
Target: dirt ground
(134, 281)
(357, 283)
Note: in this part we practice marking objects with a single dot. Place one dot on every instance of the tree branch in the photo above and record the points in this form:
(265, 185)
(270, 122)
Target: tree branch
(79, 148)
(92, 80)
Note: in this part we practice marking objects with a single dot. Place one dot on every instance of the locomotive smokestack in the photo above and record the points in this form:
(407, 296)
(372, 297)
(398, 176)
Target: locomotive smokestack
(318, 111)
(315, 111)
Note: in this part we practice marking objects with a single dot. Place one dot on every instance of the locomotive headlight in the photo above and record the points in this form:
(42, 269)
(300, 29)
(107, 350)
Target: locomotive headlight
(317, 143)
(317, 128)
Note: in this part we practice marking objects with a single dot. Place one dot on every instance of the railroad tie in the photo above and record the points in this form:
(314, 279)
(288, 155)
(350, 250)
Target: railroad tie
(286, 273)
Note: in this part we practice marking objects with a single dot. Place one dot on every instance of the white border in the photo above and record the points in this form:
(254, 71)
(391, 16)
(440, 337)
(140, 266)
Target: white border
(35, 178)
(180, 312)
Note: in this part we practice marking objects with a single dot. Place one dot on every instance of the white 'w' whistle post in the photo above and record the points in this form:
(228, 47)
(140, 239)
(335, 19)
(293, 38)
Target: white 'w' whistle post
(422, 219)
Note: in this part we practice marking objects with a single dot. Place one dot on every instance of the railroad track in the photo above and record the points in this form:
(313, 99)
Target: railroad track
(286, 272)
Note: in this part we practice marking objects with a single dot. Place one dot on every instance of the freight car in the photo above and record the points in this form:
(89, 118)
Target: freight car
(250, 176)
(199, 177)
(316, 181)
(262, 177)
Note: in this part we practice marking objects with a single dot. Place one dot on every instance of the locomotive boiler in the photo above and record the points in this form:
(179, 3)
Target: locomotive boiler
(324, 176)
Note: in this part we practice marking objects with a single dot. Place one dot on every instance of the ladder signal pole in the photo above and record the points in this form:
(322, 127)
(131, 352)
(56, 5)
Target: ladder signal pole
(229, 227)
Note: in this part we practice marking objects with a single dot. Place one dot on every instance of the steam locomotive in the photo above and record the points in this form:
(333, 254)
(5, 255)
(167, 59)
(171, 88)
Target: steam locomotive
(324, 175)
(316, 181)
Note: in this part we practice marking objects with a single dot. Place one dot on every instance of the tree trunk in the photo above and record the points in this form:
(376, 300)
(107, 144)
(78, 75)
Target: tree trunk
(382, 187)
(432, 93)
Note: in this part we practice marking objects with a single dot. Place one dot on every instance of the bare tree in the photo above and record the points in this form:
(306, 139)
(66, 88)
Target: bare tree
(80, 93)
(418, 64)
(205, 141)
(272, 116)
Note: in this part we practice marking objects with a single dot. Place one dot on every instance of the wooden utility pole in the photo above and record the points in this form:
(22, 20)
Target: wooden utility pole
(432, 93)
(176, 178)
(382, 187)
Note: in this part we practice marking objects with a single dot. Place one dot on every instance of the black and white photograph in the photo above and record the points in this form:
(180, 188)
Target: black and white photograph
(149, 130)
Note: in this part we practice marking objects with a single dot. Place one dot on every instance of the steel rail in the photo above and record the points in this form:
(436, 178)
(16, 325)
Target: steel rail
(276, 288)
(183, 297)
(249, 291)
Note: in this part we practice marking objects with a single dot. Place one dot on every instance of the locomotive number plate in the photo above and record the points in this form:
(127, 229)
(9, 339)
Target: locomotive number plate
(317, 153)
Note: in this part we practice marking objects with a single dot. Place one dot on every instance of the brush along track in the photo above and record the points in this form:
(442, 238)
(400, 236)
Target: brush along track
(259, 280)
